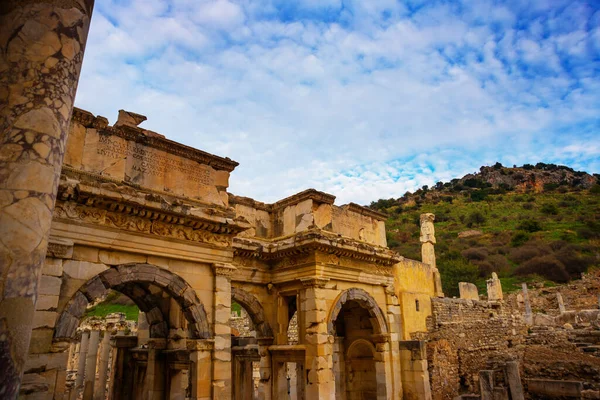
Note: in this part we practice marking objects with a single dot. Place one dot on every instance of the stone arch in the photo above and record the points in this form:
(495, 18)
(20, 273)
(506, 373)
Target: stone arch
(366, 301)
(129, 280)
(358, 343)
(254, 309)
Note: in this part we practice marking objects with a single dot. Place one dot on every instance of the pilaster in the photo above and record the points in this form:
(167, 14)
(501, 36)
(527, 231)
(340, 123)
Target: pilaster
(222, 331)
(319, 343)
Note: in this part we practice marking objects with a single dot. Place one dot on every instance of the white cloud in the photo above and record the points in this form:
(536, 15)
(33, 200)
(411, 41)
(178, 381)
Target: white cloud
(381, 100)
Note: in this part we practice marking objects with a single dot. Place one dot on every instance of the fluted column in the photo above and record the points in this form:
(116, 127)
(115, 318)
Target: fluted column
(41, 51)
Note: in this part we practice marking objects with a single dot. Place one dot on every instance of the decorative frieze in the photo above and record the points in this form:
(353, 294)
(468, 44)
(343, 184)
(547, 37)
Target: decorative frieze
(80, 213)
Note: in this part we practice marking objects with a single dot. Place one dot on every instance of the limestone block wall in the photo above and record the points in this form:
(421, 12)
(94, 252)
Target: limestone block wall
(139, 157)
(310, 209)
(464, 336)
(414, 283)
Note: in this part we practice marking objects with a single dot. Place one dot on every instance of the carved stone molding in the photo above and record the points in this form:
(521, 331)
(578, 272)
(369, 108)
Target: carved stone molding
(83, 214)
(59, 248)
(316, 240)
(225, 270)
(318, 282)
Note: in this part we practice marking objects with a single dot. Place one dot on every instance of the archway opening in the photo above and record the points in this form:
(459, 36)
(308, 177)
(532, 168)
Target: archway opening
(356, 323)
(245, 356)
(149, 354)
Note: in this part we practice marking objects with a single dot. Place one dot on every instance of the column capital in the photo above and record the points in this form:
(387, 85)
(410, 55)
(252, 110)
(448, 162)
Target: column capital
(314, 281)
(222, 269)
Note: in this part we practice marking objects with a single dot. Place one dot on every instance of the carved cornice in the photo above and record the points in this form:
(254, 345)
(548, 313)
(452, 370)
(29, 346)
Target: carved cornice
(226, 270)
(137, 135)
(315, 240)
(123, 207)
(171, 229)
(314, 281)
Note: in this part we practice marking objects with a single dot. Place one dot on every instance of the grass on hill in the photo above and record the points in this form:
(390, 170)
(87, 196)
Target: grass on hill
(114, 302)
(549, 236)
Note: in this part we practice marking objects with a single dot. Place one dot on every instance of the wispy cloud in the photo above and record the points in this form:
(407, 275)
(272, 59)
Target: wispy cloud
(361, 99)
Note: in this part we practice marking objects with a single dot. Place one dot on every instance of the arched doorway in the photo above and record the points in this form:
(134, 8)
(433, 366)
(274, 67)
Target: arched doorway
(356, 322)
(251, 328)
(157, 362)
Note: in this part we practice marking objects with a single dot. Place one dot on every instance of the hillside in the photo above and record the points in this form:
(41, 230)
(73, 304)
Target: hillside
(526, 223)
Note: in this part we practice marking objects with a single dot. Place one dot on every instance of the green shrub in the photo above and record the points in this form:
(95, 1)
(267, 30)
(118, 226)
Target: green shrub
(549, 209)
(454, 270)
(519, 238)
(546, 266)
(524, 253)
(475, 218)
(529, 225)
(475, 254)
(478, 195)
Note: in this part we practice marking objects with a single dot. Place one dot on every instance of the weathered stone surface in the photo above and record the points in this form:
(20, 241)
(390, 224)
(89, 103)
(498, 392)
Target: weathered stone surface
(554, 388)
(46, 302)
(52, 267)
(494, 288)
(468, 291)
(82, 269)
(50, 285)
(44, 319)
(66, 325)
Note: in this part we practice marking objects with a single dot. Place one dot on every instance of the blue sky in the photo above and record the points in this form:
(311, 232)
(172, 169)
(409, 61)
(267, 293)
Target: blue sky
(361, 99)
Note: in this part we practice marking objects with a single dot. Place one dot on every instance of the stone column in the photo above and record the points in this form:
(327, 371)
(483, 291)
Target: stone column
(90, 365)
(83, 348)
(100, 388)
(319, 343)
(264, 386)
(528, 313)
(561, 304)
(201, 368)
(486, 384)
(513, 378)
(428, 239)
(41, 51)
(222, 351)
(395, 329)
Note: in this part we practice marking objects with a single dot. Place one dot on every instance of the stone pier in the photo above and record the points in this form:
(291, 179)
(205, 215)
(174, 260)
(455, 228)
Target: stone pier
(41, 47)
(222, 349)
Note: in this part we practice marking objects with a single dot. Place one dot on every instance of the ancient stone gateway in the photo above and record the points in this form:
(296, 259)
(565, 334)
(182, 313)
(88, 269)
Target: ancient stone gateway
(328, 302)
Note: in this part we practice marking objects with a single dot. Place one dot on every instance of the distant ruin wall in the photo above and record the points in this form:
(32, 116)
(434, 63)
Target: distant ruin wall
(466, 336)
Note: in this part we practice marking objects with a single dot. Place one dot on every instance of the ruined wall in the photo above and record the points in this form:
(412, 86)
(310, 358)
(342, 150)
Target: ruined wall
(414, 283)
(126, 153)
(310, 209)
(464, 337)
